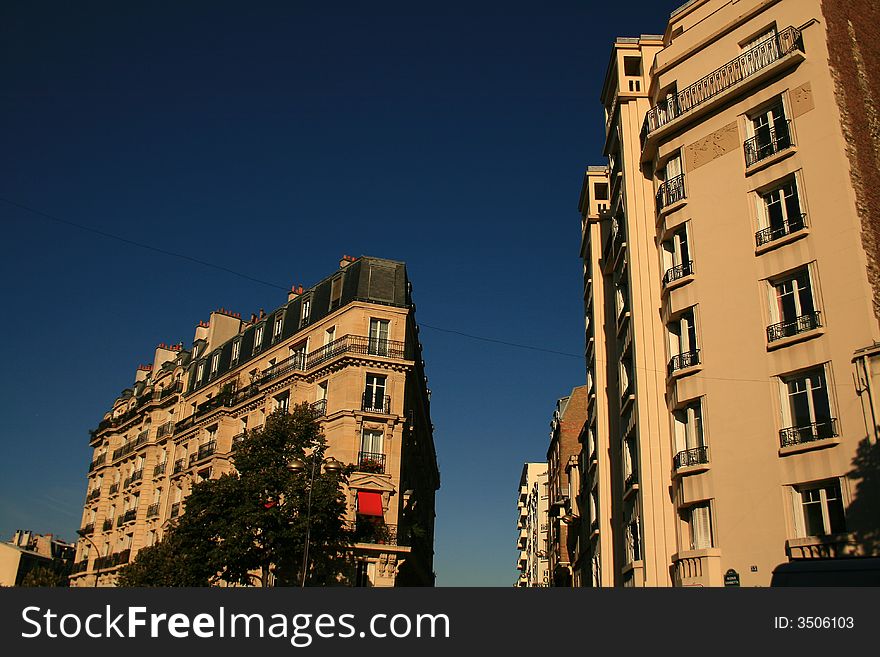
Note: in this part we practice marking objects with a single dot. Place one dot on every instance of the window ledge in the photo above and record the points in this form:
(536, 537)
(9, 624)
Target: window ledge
(809, 446)
(782, 241)
(793, 339)
(672, 207)
(685, 371)
(678, 282)
(691, 470)
(771, 160)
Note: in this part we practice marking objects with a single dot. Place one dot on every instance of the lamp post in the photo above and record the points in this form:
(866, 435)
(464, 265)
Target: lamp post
(331, 466)
(82, 534)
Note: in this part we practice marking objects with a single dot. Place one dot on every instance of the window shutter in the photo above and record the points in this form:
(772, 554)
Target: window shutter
(701, 527)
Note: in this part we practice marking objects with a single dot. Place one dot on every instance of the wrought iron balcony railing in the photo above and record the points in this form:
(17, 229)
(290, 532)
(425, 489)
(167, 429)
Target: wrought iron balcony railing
(825, 428)
(378, 533)
(679, 271)
(319, 407)
(114, 488)
(372, 403)
(153, 510)
(89, 528)
(179, 466)
(206, 450)
(107, 525)
(175, 509)
(799, 324)
(670, 191)
(692, 456)
(135, 476)
(99, 460)
(684, 360)
(767, 142)
(371, 462)
(767, 235)
(159, 468)
(165, 430)
(93, 494)
(749, 63)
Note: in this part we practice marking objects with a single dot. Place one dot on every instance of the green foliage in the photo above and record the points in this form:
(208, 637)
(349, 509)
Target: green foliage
(45, 576)
(241, 527)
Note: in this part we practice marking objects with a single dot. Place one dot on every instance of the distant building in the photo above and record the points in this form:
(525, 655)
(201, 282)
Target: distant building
(28, 551)
(531, 524)
(731, 254)
(349, 347)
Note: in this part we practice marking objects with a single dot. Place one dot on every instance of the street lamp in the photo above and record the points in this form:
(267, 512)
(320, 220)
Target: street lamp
(82, 534)
(331, 466)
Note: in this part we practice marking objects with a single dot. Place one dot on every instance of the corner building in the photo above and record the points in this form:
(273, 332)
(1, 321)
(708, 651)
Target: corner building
(731, 292)
(349, 347)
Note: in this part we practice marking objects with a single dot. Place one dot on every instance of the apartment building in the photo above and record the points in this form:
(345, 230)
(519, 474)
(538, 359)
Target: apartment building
(731, 296)
(563, 482)
(531, 525)
(349, 347)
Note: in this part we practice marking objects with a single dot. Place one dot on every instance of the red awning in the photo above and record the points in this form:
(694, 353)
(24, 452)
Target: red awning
(369, 504)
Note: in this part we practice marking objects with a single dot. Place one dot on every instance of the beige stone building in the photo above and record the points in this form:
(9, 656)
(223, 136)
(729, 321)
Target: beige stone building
(349, 346)
(731, 291)
(28, 551)
(531, 526)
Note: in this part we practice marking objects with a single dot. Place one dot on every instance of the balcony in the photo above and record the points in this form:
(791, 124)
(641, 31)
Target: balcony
(319, 408)
(377, 533)
(691, 457)
(206, 450)
(371, 462)
(372, 403)
(99, 460)
(89, 528)
(128, 516)
(747, 65)
(179, 466)
(165, 430)
(153, 510)
(80, 567)
(698, 568)
(93, 495)
(808, 433)
(175, 509)
(114, 488)
(833, 546)
(768, 142)
(683, 361)
(669, 192)
(107, 525)
(134, 477)
(159, 468)
(356, 344)
(679, 271)
(800, 324)
(767, 235)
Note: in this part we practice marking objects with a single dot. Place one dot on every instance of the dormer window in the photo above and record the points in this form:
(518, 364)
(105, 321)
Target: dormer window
(306, 312)
(336, 293)
(215, 363)
(236, 350)
(200, 371)
(258, 338)
(276, 330)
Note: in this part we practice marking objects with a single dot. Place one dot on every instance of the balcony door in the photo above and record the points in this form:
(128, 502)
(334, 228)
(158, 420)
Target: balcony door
(770, 129)
(794, 298)
(374, 393)
(783, 210)
(378, 340)
(807, 405)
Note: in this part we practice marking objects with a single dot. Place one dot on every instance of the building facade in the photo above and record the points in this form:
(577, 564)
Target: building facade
(27, 552)
(531, 525)
(731, 294)
(349, 347)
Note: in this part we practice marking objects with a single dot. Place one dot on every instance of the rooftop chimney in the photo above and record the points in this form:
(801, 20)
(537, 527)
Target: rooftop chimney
(295, 291)
(346, 261)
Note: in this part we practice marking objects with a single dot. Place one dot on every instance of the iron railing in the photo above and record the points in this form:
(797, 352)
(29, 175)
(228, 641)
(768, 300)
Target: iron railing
(825, 428)
(159, 468)
(377, 533)
(371, 462)
(670, 191)
(153, 510)
(750, 62)
(373, 403)
(89, 528)
(800, 324)
(107, 525)
(679, 271)
(135, 476)
(692, 456)
(93, 494)
(114, 488)
(766, 235)
(179, 466)
(319, 408)
(683, 360)
(99, 460)
(206, 450)
(165, 430)
(768, 141)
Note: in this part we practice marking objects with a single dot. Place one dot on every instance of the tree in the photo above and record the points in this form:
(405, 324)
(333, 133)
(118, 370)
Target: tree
(246, 525)
(45, 576)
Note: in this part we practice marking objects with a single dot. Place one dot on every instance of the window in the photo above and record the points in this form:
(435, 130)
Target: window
(372, 441)
(322, 390)
(792, 309)
(761, 49)
(621, 297)
(819, 509)
(699, 520)
(336, 293)
(236, 350)
(379, 337)
(329, 335)
(676, 256)
(305, 312)
(806, 409)
(770, 134)
(626, 379)
(277, 327)
(671, 188)
(630, 463)
(374, 394)
(258, 337)
(200, 371)
(365, 574)
(779, 213)
(690, 446)
(683, 351)
(281, 402)
(298, 356)
(215, 364)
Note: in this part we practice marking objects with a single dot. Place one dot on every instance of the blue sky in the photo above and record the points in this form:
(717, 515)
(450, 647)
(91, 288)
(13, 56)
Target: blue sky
(272, 138)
